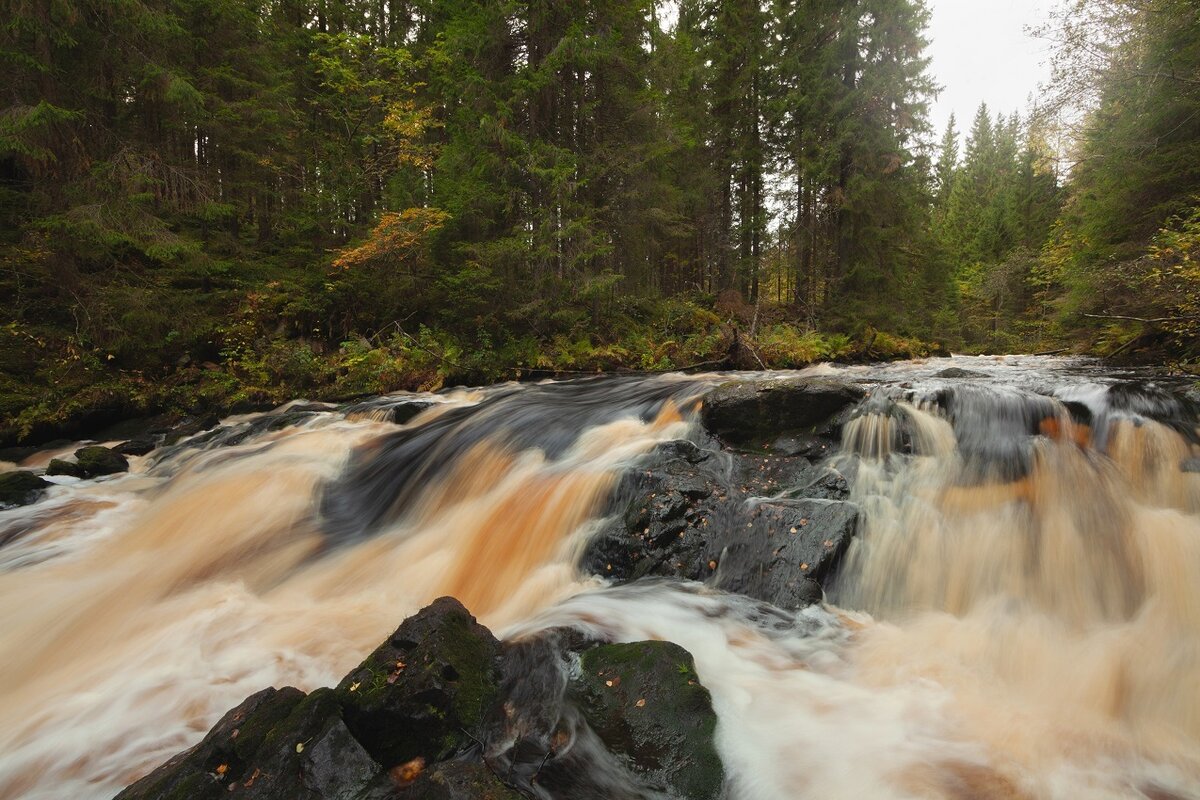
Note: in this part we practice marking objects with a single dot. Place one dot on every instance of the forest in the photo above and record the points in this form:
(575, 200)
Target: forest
(214, 205)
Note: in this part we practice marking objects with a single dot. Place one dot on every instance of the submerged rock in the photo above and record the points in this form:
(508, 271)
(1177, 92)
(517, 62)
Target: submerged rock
(20, 488)
(138, 446)
(959, 372)
(645, 702)
(753, 414)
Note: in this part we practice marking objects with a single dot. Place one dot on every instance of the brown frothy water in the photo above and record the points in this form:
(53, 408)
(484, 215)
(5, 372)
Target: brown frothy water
(1061, 608)
(217, 582)
(1027, 635)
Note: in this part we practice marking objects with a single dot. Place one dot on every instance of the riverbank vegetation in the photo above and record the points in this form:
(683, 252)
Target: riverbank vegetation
(217, 204)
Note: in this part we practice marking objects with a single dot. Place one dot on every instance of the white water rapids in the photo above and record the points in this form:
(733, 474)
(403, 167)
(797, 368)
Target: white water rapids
(1033, 636)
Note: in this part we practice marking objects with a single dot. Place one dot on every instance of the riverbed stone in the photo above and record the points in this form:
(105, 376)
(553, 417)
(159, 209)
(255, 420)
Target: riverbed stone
(753, 414)
(959, 372)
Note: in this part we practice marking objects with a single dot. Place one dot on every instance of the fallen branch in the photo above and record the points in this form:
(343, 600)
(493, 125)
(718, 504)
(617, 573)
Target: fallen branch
(1142, 319)
(1124, 347)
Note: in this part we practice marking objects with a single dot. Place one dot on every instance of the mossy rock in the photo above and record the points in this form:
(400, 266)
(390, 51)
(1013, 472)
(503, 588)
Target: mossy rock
(97, 460)
(423, 693)
(645, 702)
(58, 466)
(751, 414)
(90, 462)
(279, 744)
(20, 488)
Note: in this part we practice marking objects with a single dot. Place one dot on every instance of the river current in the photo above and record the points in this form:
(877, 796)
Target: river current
(1017, 617)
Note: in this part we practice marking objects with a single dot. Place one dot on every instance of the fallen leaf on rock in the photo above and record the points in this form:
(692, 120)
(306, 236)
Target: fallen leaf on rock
(408, 772)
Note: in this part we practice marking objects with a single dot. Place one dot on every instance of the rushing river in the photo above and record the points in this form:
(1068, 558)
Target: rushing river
(1018, 616)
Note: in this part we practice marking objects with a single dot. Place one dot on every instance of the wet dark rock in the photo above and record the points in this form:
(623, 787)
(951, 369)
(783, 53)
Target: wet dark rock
(706, 519)
(786, 551)
(752, 415)
(1190, 465)
(423, 692)
(442, 711)
(819, 482)
(959, 372)
(240, 432)
(279, 743)
(806, 446)
(20, 488)
(458, 780)
(185, 427)
(645, 702)
(397, 411)
(136, 447)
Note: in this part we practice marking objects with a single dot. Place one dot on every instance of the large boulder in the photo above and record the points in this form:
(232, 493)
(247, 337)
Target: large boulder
(754, 414)
(442, 711)
(645, 703)
(20, 488)
(424, 692)
(702, 515)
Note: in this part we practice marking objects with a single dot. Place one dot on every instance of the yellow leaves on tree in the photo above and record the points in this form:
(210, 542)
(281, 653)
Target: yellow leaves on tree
(1173, 271)
(397, 239)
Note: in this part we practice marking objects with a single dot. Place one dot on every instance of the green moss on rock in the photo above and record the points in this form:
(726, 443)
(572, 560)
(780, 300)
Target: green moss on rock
(646, 703)
(425, 690)
(20, 488)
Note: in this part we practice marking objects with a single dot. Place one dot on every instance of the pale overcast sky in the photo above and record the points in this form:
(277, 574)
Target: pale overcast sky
(982, 52)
